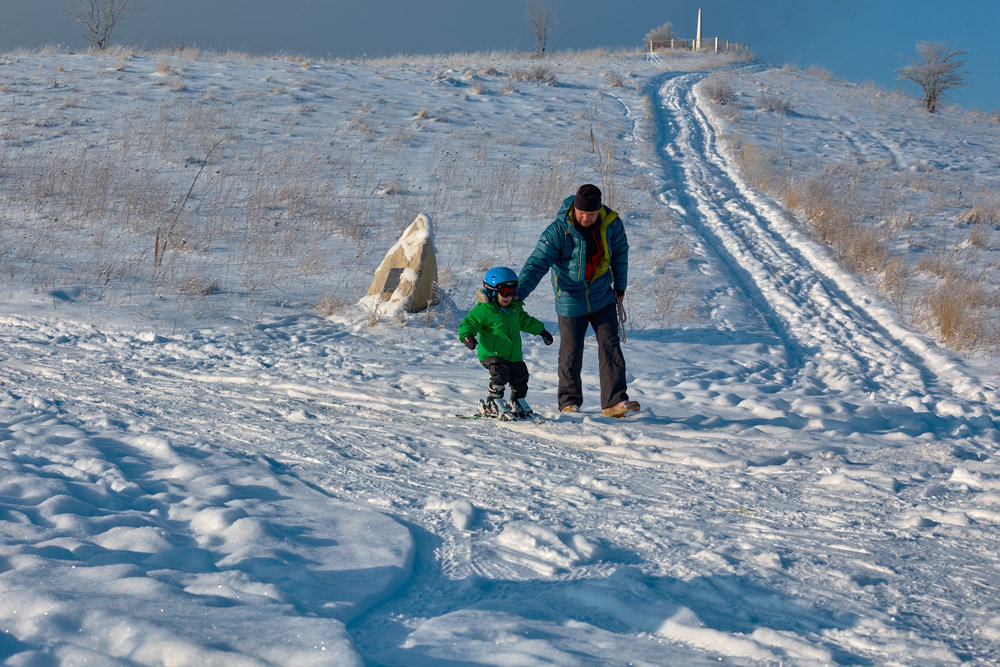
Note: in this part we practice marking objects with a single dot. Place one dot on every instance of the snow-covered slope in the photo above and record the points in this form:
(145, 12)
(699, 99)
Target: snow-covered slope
(233, 477)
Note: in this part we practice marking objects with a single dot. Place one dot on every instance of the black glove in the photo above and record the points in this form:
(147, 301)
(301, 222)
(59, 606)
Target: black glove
(546, 337)
(470, 341)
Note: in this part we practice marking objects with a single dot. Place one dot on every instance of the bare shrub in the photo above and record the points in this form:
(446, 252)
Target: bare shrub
(896, 282)
(614, 79)
(199, 286)
(719, 89)
(164, 68)
(537, 74)
(771, 101)
(660, 36)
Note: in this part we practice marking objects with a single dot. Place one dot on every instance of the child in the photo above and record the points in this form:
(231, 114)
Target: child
(499, 318)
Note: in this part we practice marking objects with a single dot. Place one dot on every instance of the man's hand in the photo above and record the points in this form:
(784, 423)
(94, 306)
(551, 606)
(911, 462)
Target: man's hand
(619, 295)
(546, 337)
(470, 342)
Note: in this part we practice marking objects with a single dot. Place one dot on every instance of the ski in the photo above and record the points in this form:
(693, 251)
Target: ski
(533, 418)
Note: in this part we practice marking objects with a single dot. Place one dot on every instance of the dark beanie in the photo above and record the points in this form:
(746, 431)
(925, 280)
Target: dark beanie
(588, 198)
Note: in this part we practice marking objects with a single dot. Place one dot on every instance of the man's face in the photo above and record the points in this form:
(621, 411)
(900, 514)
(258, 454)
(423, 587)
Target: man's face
(585, 218)
(505, 300)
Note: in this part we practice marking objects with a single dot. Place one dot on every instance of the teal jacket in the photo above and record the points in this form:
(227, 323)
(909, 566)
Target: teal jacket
(563, 249)
(498, 329)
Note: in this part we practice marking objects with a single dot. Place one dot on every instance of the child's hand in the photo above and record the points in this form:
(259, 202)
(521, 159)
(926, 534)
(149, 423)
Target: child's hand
(470, 341)
(546, 337)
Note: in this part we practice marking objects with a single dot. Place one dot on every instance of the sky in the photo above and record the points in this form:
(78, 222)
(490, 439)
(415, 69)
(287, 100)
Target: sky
(858, 40)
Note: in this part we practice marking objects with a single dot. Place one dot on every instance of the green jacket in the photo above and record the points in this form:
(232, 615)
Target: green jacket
(498, 329)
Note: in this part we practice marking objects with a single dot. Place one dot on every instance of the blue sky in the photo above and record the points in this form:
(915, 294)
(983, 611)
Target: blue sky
(858, 40)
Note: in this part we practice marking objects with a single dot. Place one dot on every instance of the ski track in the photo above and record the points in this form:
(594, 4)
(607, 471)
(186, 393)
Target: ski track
(839, 342)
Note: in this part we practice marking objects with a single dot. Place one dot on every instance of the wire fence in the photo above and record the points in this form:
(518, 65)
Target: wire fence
(707, 45)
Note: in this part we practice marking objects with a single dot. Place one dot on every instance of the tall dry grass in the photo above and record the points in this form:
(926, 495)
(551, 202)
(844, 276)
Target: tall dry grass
(203, 196)
(859, 208)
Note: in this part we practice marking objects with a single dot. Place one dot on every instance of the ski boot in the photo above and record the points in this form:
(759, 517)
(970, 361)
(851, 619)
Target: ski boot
(494, 405)
(520, 409)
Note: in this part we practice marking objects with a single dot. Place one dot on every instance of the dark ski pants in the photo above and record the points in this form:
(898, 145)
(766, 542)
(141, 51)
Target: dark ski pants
(503, 372)
(609, 355)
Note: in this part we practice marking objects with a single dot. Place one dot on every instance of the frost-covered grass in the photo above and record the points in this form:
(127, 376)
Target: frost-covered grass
(170, 172)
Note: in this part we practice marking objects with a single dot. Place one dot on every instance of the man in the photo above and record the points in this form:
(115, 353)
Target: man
(587, 251)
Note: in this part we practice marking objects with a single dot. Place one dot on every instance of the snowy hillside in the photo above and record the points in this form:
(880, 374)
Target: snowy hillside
(212, 454)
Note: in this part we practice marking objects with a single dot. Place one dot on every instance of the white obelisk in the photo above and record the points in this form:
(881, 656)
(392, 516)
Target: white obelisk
(697, 39)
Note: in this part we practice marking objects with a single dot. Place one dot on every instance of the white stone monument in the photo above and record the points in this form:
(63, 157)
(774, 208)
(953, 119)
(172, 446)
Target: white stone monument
(407, 277)
(697, 39)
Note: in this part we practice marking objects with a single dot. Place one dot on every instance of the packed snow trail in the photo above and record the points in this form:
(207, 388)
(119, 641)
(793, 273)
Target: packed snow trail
(838, 339)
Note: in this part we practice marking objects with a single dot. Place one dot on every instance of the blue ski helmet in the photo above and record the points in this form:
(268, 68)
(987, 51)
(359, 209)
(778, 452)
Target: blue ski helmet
(500, 280)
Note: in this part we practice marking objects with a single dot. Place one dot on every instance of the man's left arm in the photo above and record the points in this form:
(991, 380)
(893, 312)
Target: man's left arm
(619, 256)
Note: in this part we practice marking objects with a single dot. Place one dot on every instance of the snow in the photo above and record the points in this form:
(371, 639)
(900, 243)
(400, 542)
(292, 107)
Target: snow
(268, 472)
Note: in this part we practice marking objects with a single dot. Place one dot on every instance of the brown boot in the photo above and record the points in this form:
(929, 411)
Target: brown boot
(621, 409)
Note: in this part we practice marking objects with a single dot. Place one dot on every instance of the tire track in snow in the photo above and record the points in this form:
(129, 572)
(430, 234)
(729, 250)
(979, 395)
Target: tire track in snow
(837, 338)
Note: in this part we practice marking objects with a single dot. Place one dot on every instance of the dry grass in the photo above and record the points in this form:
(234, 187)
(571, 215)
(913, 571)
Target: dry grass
(161, 213)
(986, 210)
(959, 309)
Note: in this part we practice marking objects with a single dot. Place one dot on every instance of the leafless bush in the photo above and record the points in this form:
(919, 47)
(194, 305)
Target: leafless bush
(896, 283)
(771, 101)
(536, 74)
(660, 36)
(165, 68)
(199, 286)
(614, 79)
(719, 89)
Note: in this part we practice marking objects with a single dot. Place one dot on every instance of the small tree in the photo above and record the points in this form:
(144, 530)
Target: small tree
(99, 17)
(540, 16)
(938, 71)
(659, 36)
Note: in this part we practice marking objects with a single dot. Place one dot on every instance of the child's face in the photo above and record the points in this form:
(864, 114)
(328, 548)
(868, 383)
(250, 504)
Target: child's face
(504, 300)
